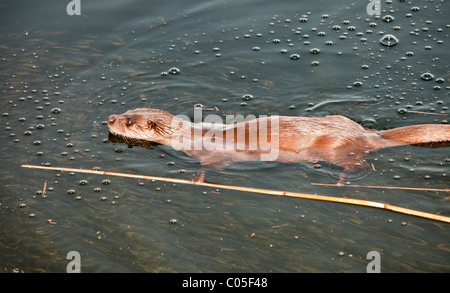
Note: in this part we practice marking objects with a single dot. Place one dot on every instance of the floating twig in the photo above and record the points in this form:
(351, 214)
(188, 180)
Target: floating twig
(428, 113)
(386, 187)
(359, 202)
(45, 188)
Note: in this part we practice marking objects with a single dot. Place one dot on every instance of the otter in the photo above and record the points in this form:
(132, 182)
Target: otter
(287, 139)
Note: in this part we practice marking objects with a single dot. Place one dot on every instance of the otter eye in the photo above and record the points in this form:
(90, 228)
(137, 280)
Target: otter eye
(128, 122)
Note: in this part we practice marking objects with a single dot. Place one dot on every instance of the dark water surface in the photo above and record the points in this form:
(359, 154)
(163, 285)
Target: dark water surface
(62, 76)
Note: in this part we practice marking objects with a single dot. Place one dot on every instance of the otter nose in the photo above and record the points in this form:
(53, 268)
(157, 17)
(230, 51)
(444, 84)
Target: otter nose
(111, 119)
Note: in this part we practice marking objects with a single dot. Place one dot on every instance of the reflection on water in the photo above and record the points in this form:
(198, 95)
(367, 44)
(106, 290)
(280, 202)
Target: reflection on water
(131, 142)
(62, 76)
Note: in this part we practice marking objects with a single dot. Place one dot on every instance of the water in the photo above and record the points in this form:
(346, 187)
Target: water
(62, 76)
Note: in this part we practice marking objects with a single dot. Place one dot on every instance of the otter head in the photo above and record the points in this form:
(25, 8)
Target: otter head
(144, 124)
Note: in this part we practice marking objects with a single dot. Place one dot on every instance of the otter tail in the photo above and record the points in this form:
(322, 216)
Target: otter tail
(417, 134)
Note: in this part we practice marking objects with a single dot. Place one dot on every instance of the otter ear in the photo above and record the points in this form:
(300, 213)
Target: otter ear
(151, 124)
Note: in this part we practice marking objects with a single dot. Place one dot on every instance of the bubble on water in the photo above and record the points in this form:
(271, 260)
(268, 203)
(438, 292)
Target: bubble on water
(427, 76)
(389, 40)
(295, 56)
(247, 97)
(388, 18)
(174, 71)
(83, 182)
(369, 123)
(314, 51)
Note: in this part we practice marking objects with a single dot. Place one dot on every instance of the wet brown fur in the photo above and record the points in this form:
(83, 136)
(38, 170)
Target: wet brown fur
(335, 139)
